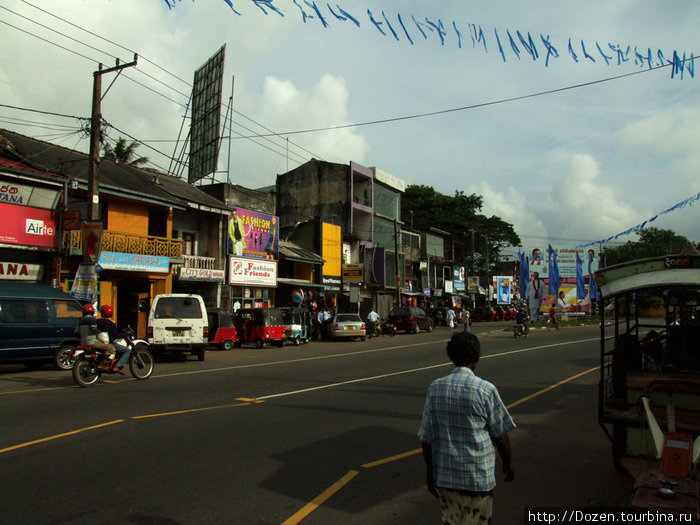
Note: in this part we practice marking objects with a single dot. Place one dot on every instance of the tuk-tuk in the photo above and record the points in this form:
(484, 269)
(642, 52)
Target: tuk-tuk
(259, 326)
(222, 333)
(649, 392)
(297, 324)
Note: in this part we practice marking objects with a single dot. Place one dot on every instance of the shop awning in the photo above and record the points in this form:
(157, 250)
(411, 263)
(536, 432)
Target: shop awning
(293, 252)
(298, 283)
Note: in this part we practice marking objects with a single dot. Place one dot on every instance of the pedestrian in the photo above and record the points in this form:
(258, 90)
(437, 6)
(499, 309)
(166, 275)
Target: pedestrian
(450, 318)
(463, 419)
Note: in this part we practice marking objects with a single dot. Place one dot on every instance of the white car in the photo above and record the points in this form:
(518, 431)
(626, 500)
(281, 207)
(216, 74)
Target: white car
(348, 325)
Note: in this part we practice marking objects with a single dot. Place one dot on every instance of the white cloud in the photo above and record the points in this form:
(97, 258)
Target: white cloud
(326, 102)
(585, 206)
(511, 206)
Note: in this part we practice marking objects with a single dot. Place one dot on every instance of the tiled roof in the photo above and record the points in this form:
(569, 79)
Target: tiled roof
(123, 178)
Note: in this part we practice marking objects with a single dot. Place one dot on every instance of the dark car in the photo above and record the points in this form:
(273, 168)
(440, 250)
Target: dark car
(411, 319)
(37, 324)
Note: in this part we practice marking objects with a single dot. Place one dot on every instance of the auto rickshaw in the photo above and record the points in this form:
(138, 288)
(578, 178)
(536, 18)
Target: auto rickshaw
(649, 392)
(297, 324)
(221, 330)
(259, 326)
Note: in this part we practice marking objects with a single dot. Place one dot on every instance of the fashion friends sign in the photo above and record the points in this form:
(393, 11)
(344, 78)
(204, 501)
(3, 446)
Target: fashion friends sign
(250, 272)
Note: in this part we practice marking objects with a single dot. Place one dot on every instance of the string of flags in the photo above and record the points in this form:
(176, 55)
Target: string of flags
(508, 44)
(687, 202)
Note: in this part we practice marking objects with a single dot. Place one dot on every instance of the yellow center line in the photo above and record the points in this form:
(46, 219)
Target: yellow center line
(551, 387)
(321, 498)
(57, 436)
(190, 411)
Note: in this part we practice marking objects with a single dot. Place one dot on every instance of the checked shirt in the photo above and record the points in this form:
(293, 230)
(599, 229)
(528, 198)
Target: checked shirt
(461, 414)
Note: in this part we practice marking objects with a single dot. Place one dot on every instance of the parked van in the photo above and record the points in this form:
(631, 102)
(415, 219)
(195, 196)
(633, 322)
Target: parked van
(37, 325)
(178, 323)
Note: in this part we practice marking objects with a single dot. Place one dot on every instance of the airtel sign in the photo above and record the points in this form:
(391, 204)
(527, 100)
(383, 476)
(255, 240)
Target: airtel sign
(27, 226)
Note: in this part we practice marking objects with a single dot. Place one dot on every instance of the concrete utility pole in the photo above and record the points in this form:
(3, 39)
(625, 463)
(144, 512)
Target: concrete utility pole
(396, 264)
(96, 134)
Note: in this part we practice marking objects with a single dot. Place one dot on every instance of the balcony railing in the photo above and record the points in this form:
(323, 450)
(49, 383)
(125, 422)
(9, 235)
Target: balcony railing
(128, 243)
(197, 262)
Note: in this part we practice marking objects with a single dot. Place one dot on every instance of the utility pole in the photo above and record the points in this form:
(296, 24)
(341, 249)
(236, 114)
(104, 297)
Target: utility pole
(488, 283)
(396, 264)
(96, 133)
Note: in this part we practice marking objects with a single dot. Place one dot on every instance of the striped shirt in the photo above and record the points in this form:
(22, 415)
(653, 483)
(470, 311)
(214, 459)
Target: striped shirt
(462, 413)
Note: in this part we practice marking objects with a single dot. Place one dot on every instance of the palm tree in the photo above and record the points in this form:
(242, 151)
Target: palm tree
(123, 153)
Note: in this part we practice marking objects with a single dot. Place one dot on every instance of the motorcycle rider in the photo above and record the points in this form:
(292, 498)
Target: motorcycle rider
(521, 319)
(105, 324)
(87, 330)
(373, 322)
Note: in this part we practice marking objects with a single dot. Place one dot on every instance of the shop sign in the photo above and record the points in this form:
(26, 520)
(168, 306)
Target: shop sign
(15, 193)
(21, 271)
(27, 226)
(353, 273)
(331, 283)
(252, 272)
(133, 262)
(201, 274)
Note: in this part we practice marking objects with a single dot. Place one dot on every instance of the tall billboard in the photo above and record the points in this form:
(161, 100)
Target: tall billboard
(206, 117)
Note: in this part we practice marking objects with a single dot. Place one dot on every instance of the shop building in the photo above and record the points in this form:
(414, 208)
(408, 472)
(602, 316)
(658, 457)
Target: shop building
(365, 204)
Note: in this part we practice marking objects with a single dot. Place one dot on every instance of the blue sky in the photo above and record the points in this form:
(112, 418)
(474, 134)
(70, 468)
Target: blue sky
(566, 151)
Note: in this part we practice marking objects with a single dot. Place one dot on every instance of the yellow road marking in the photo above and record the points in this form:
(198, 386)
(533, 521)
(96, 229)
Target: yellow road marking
(392, 458)
(321, 498)
(551, 387)
(177, 412)
(57, 436)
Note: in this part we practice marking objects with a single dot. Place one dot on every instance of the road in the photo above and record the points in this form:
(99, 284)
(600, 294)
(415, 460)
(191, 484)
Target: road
(316, 434)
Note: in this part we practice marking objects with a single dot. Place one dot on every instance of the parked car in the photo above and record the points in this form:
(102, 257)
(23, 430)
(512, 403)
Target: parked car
(37, 325)
(411, 319)
(178, 323)
(348, 325)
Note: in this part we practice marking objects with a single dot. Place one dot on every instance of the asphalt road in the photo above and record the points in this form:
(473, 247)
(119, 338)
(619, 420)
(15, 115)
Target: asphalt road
(316, 434)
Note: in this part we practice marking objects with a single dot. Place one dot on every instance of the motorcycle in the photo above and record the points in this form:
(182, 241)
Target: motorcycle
(383, 328)
(89, 366)
(520, 330)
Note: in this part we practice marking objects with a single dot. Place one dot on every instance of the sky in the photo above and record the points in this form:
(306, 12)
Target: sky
(569, 149)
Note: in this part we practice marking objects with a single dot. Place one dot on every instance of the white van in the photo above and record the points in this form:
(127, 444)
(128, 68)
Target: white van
(178, 323)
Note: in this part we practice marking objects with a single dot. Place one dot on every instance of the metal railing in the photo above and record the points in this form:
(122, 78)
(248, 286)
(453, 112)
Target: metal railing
(128, 243)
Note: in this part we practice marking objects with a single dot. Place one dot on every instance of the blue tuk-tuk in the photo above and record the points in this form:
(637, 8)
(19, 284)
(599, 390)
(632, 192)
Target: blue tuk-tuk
(297, 324)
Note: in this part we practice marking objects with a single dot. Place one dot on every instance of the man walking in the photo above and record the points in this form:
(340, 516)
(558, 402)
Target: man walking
(463, 418)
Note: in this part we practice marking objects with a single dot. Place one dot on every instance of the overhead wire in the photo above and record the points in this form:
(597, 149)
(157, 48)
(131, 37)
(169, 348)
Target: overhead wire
(284, 151)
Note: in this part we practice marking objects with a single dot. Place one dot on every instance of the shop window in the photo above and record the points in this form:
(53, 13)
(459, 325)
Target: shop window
(157, 223)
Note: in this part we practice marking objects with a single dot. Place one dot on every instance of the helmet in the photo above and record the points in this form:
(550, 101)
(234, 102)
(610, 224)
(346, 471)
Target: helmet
(106, 311)
(88, 309)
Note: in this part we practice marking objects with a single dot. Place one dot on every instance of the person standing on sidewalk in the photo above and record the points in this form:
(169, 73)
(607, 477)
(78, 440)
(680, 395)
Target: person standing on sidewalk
(464, 422)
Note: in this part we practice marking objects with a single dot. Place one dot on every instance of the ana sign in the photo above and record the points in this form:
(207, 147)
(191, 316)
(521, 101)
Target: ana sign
(21, 271)
(252, 272)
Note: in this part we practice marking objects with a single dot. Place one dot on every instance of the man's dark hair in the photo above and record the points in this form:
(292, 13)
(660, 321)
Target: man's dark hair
(464, 349)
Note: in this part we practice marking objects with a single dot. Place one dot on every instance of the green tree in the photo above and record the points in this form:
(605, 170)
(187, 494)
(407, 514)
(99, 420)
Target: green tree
(123, 153)
(653, 242)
